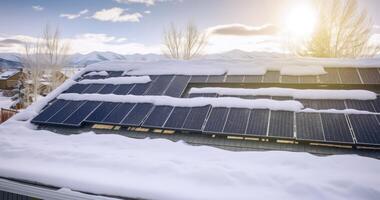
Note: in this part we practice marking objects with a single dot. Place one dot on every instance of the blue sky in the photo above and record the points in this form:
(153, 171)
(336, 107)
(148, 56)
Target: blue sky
(140, 24)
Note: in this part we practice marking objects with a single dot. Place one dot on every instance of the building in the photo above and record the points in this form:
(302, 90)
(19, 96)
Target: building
(9, 79)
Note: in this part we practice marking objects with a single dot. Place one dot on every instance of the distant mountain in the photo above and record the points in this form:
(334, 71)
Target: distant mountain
(9, 64)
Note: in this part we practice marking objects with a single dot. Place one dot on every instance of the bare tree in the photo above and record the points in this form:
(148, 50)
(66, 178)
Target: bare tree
(56, 55)
(343, 30)
(185, 44)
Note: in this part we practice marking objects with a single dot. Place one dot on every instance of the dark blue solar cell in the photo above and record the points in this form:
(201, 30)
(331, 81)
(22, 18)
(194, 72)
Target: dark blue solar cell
(310, 103)
(158, 116)
(336, 128)
(234, 78)
(79, 115)
(196, 118)
(101, 112)
(50, 111)
(137, 114)
(331, 104)
(177, 86)
(281, 124)
(216, 120)
(237, 121)
(258, 122)
(366, 128)
(253, 78)
(192, 95)
(159, 86)
(309, 126)
(65, 112)
(77, 88)
(198, 79)
(272, 77)
(93, 88)
(209, 95)
(108, 89)
(139, 89)
(115, 73)
(370, 75)
(177, 117)
(215, 79)
(123, 89)
(118, 114)
(360, 105)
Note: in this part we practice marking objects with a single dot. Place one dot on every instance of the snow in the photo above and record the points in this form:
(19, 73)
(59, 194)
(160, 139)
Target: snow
(345, 111)
(160, 169)
(118, 80)
(5, 102)
(100, 73)
(290, 92)
(228, 102)
(7, 74)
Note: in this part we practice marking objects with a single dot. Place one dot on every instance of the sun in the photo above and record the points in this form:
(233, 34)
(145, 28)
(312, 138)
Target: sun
(300, 21)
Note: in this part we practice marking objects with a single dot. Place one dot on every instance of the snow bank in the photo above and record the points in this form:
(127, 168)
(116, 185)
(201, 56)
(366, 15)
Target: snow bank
(100, 73)
(118, 80)
(345, 111)
(229, 102)
(289, 92)
(160, 169)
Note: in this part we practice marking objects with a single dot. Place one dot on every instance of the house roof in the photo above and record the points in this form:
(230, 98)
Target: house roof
(7, 74)
(340, 105)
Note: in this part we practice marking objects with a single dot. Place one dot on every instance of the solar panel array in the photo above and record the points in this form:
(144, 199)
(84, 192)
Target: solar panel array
(320, 127)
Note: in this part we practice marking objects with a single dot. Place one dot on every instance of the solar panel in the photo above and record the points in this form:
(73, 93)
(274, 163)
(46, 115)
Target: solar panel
(309, 103)
(331, 104)
(253, 78)
(101, 112)
(309, 126)
(65, 112)
(139, 89)
(158, 116)
(136, 116)
(79, 115)
(215, 79)
(123, 89)
(281, 124)
(335, 128)
(376, 104)
(118, 114)
(77, 88)
(196, 118)
(159, 86)
(308, 79)
(237, 121)
(332, 76)
(177, 117)
(50, 111)
(177, 86)
(360, 105)
(282, 98)
(114, 73)
(198, 79)
(216, 120)
(366, 128)
(108, 89)
(349, 76)
(290, 79)
(93, 88)
(258, 122)
(272, 77)
(370, 75)
(235, 79)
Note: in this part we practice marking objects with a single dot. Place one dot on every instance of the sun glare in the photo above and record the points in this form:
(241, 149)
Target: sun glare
(300, 21)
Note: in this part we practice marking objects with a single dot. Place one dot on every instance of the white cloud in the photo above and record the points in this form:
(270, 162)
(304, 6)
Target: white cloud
(74, 16)
(86, 43)
(147, 12)
(146, 2)
(38, 8)
(243, 30)
(116, 14)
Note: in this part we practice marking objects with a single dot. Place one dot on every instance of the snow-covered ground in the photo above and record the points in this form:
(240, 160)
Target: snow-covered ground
(5, 102)
(161, 169)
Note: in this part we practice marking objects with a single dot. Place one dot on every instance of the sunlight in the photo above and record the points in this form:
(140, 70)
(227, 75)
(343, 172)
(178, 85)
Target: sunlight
(300, 21)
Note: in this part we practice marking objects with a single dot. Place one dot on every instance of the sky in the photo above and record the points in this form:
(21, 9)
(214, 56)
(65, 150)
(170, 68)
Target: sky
(136, 26)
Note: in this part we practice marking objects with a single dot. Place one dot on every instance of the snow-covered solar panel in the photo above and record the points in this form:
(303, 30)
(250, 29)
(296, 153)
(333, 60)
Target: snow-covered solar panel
(349, 76)
(137, 115)
(60, 116)
(272, 77)
(158, 116)
(253, 78)
(196, 118)
(159, 86)
(290, 79)
(308, 79)
(177, 118)
(281, 124)
(366, 129)
(198, 79)
(177, 86)
(123, 89)
(235, 79)
(77, 88)
(216, 79)
(93, 88)
(81, 113)
(258, 122)
(50, 111)
(309, 126)
(237, 121)
(118, 113)
(331, 77)
(101, 112)
(108, 89)
(360, 105)
(139, 89)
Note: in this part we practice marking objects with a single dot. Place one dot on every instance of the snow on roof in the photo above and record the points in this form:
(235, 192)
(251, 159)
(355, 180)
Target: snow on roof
(8, 74)
(100, 73)
(289, 92)
(115, 165)
(117, 80)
